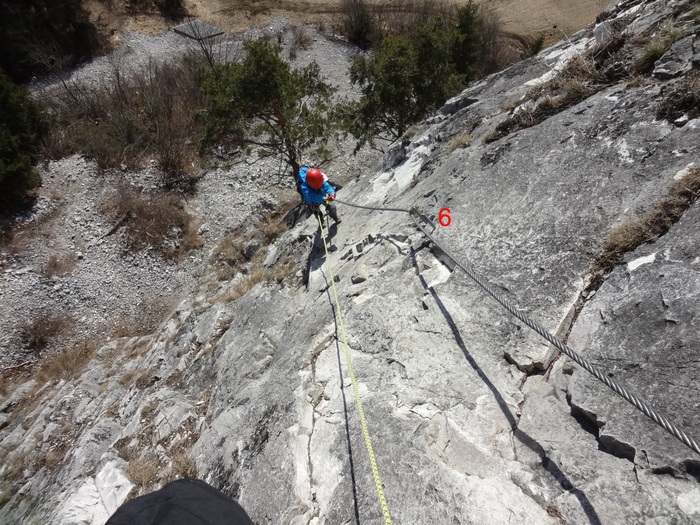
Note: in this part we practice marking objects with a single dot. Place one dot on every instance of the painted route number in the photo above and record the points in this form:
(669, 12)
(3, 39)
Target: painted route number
(444, 217)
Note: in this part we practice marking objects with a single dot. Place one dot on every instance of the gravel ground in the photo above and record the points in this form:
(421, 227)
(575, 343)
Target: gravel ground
(107, 292)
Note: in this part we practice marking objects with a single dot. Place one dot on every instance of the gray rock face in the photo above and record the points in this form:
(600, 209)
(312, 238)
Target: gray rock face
(643, 322)
(473, 418)
(679, 59)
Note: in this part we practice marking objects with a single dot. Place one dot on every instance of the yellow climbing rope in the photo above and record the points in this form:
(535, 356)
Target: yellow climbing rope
(363, 421)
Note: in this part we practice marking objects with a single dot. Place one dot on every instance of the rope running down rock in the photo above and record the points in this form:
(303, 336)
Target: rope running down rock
(356, 391)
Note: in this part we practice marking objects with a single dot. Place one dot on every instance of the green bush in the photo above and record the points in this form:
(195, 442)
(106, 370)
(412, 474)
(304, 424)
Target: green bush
(410, 76)
(22, 127)
(358, 22)
(263, 103)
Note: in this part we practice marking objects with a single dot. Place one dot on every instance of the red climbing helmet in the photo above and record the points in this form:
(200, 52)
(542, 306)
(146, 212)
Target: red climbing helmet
(314, 178)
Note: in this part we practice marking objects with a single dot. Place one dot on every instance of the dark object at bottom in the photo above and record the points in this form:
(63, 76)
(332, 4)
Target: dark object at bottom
(182, 502)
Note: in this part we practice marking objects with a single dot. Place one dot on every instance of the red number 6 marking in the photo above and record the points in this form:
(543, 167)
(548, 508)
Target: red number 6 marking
(444, 217)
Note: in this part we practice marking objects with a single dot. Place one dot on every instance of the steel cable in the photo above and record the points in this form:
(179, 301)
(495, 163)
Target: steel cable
(638, 403)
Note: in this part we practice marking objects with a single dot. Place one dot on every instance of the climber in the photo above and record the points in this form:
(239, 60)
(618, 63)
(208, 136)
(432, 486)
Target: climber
(315, 190)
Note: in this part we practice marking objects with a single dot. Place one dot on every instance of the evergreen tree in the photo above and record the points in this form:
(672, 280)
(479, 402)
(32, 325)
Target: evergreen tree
(264, 104)
(409, 76)
(22, 127)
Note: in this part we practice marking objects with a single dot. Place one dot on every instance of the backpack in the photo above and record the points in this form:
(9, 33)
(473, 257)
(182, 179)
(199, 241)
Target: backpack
(298, 178)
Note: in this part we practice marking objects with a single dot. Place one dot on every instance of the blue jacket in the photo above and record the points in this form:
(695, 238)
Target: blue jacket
(310, 195)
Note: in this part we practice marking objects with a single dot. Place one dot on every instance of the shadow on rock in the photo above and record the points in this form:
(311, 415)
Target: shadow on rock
(345, 406)
(549, 465)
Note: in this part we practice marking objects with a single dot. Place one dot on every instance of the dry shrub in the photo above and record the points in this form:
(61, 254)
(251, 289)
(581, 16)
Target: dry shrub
(45, 328)
(6, 234)
(681, 99)
(59, 264)
(66, 364)
(495, 53)
(300, 38)
(402, 17)
(157, 219)
(132, 117)
(628, 236)
(142, 320)
(300, 41)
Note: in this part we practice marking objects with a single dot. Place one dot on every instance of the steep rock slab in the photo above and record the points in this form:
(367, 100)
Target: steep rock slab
(642, 326)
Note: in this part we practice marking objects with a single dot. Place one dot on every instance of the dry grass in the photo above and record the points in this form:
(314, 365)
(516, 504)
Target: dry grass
(127, 378)
(272, 228)
(619, 58)
(627, 236)
(283, 270)
(16, 467)
(578, 80)
(182, 466)
(246, 244)
(461, 141)
(246, 284)
(158, 220)
(143, 470)
(46, 328)
(112, 411)
(229, 256)
(7, 384)
(124, 449)
(66, 364)
(143, 320)
(53, 459)
(654, 49)
(174, 380)
(149, 410)
(278, 273)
